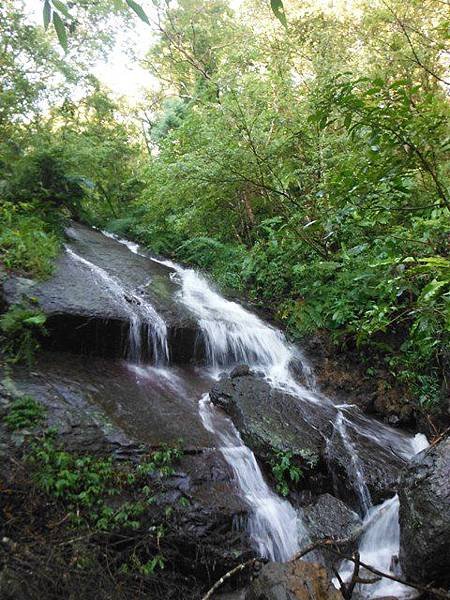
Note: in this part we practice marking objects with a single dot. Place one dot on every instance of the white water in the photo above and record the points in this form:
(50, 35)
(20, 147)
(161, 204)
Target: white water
(274, 526)
(340, 428)
(233, 335)
(379, 548)
(379, 545)
(142, 316)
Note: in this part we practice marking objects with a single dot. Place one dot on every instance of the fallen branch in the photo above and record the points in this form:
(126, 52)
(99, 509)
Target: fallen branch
(237, 569)
(327, 544)
(438, 592)
(253, 561)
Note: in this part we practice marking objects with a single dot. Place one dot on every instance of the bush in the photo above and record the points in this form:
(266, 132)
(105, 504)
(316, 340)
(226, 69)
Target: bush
(42, 175)
(21, 326)
(86, 484)
(28, 243)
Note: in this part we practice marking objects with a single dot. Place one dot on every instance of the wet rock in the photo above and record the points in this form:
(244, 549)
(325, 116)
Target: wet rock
(329, 517)
(240, 371)
(424, 494)
(297, 580)
(99, 407)
(85, 315)
(85, 394)
(267, 418)
(363, 449)
(270, 420)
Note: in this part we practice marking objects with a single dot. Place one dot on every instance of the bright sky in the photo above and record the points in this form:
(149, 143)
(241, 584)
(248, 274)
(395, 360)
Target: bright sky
(122, 74)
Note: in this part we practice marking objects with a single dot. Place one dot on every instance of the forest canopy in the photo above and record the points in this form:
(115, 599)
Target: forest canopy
(301, 160)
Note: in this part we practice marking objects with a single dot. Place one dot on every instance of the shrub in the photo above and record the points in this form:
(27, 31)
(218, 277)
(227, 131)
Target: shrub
(21, 327)
(24, 412)
(28, 243)
(85, 484)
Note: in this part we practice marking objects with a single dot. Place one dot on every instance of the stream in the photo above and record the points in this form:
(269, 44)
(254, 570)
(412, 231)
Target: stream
(232, 335)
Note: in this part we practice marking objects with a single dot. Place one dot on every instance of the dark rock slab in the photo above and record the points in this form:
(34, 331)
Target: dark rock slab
(297, 580)
(99, 407)
(425, 516)
(87, 315)
(150, 405)
(270, 419)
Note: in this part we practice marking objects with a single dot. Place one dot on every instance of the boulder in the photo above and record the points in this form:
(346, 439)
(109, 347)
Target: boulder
(329, 517)
(297, 580)
(425, 516)
(268, 418)
(333, 451)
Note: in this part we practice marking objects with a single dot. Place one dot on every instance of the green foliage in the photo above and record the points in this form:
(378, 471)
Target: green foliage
(323, 196)
(278, 11)
(87, 485)
(28, 243)
(57, 12)
(223, 261)
(309, 170)
(21, 327)
(285, 471)
(42, 175)
(24, 412)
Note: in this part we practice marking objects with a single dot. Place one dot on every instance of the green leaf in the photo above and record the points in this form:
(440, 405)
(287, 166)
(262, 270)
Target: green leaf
(431, 290)
(278, 11)
(62, 8)
(137, 8)
(35, 320)
(60, 30)
(47, 13)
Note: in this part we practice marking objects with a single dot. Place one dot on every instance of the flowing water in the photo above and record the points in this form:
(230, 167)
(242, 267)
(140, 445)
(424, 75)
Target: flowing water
(233, 335)
(147, 330)
(273, 525)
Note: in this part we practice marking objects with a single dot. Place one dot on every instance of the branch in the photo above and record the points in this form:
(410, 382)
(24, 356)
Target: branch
(328, 543)
(413, 50)
(237, 569)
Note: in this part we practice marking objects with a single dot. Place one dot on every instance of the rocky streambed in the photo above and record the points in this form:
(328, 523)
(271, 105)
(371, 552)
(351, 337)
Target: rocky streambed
(135, 346)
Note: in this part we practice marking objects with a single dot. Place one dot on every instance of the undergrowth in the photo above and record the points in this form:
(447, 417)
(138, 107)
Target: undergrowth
(86, 516)
(29, 243)
(20, 328)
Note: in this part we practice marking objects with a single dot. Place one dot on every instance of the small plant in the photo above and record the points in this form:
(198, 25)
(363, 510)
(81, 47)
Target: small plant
(285, 471)
(86, 483)
(24, 412)
(21, 326)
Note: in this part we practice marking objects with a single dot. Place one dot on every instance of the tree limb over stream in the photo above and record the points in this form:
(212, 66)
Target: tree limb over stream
(345, 588)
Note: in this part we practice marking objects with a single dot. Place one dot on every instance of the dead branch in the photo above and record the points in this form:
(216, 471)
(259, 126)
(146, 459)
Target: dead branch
(437, 592)
(237, 569)
(345, 589)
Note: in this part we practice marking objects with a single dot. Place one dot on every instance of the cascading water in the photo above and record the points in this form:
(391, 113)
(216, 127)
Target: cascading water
(379, 545)
(141, 315)
(356, 472)
(379, 548)
(274, 525)
(233, 335)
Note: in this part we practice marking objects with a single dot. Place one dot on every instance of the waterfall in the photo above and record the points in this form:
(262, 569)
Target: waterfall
(354, 465)
(233, 335)
(379, 548)
(379, 545)
(274, 526)
(142, 317)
